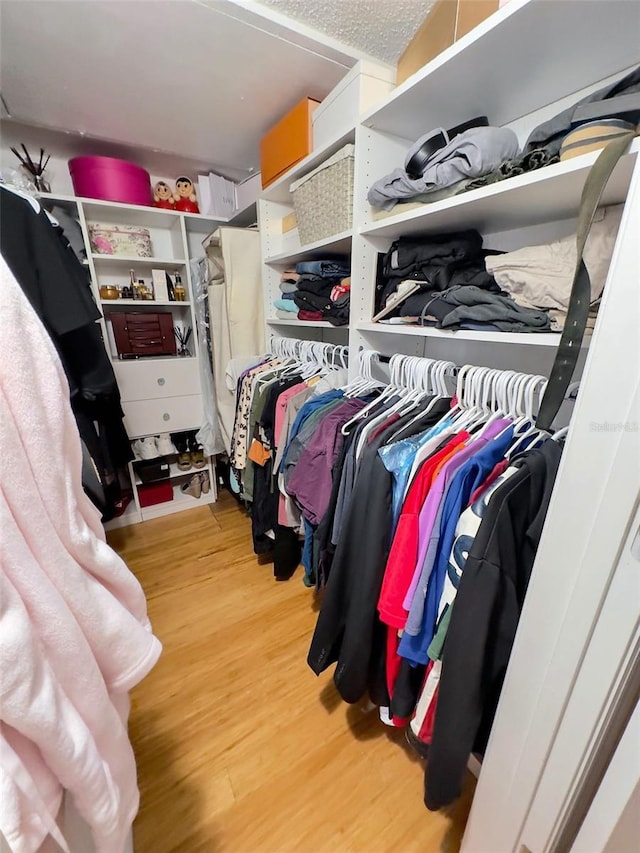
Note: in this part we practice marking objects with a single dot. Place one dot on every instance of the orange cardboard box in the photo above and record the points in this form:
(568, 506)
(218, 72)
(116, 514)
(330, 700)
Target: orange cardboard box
(288, 142)
(447, 22)
(436, 33)
(473, 12)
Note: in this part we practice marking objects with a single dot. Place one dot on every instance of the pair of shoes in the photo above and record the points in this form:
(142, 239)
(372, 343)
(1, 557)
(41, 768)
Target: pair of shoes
(197, 485)
(153, 446)
(190, 454)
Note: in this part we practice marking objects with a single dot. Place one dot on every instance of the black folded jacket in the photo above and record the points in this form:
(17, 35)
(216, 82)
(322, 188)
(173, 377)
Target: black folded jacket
(338, 315)
(440, 260)
(316, 285)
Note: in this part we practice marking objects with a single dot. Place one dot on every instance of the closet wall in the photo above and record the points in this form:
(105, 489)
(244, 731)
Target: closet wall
(521, 66)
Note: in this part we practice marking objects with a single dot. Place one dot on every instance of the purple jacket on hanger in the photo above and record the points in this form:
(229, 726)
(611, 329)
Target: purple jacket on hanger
(311, 480)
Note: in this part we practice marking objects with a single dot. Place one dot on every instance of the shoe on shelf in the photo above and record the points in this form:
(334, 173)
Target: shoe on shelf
(206, 482)
(192, 487)
(165, 446)
(182, 446)
(146, 448)
(197, 453)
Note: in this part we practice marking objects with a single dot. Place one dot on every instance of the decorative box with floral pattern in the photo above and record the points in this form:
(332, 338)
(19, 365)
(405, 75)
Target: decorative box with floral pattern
(120, 240)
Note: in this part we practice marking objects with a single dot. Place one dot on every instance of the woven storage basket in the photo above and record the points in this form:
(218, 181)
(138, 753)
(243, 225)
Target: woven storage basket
(323, 199)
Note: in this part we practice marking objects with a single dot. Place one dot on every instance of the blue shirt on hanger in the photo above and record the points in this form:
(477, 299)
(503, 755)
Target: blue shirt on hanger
(466, 480)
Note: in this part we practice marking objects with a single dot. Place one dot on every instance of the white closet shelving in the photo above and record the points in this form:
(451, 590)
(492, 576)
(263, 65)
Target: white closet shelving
(159, 394)
(520, 67)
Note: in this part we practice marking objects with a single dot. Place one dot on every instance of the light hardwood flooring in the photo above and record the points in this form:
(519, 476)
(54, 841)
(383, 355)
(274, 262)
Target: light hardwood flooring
(240, 748)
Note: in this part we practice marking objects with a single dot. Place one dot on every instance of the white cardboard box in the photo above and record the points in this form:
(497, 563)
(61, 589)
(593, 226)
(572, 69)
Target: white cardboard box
(358, 91)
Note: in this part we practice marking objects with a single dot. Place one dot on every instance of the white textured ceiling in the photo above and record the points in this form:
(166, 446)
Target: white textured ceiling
(381, 28)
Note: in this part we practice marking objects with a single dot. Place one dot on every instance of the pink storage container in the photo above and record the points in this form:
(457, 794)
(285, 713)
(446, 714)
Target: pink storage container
(110, 179)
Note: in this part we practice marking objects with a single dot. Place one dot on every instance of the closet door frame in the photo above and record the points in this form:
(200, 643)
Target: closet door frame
(612, 823)
(589, 518)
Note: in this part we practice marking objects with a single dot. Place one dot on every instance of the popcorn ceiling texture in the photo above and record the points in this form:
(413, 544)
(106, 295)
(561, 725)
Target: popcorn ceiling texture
(381, 28)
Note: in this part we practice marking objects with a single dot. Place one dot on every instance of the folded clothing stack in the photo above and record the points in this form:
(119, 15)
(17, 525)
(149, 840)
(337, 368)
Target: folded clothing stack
(451, 282)
(316, 290)
(541, 276)
(443, 280)
(443, 163)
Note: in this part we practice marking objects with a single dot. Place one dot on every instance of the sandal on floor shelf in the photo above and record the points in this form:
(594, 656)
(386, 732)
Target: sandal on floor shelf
(197, 458)
(184, 461)
(192, 487)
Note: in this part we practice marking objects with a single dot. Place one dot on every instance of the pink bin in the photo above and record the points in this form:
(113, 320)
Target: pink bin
(110, 179)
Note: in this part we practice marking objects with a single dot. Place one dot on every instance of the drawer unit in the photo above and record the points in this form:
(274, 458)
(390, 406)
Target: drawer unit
(151, 417)
(139, 334)
(146, 380)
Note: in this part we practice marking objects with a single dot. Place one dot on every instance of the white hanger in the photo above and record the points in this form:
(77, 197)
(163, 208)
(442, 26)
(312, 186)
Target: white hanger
(535, 385)
(389, 391)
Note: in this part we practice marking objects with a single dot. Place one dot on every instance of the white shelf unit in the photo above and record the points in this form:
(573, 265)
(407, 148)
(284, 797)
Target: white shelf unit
(337, 244)
(281, 251)
(179, 503)
(520, 67)
(144, 303)
(548, 194)
(176, 473)
(131, 260)
(159, 394)
(311, 324)
(539, 339)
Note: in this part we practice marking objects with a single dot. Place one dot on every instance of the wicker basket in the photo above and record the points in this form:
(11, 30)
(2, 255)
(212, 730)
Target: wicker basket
(323, 199)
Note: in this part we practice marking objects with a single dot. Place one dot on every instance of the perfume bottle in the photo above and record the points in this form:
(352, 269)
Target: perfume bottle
(135, 289)
(179, 292)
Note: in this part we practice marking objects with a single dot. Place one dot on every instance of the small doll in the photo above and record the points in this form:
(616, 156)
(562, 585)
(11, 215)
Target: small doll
(185, 196)
(163, 197)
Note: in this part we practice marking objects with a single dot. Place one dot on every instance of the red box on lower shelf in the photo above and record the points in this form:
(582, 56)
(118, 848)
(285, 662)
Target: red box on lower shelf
(155, 493)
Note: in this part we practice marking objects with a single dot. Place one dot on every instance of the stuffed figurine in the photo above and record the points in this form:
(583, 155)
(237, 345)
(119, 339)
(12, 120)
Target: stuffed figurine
(185, 196)
(163, 197)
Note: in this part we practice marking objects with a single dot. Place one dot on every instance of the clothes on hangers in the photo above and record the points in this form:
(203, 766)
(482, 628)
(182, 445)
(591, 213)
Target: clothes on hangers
(58, 288)
(277, 412)
(426, 500)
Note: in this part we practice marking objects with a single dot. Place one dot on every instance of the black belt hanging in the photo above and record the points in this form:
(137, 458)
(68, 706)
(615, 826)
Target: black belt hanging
(580, 299)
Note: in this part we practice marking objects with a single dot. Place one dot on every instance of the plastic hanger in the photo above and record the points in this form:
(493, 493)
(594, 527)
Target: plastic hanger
(532, 434)
(389, 391)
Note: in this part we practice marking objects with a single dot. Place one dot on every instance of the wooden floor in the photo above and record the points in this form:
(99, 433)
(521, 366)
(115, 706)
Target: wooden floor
(239, 746)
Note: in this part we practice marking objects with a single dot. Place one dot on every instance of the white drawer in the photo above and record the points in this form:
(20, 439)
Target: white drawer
(146, 380)
(171, 414)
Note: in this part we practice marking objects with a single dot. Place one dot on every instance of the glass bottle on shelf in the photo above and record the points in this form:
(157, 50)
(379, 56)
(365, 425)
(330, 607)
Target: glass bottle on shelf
(135, 290)
(180, 293)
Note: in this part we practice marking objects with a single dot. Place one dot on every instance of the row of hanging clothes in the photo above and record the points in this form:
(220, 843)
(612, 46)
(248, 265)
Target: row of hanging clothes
(409, 497)
(275, 394)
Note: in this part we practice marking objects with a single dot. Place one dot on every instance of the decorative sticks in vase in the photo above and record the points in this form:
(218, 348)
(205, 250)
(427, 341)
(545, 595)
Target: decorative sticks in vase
(35, 169)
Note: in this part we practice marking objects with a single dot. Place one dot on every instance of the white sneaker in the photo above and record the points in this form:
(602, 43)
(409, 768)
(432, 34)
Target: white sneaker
(165, 446)
(146, 448)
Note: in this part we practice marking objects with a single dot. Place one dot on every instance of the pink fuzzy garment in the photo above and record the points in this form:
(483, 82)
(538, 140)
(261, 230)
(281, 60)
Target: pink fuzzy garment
(74, 632)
